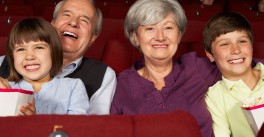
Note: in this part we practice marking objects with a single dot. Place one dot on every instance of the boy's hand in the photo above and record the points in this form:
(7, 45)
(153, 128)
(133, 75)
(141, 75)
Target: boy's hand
(4, 83)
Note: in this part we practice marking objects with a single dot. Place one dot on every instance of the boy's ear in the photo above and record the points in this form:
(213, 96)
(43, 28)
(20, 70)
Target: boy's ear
(209, 56)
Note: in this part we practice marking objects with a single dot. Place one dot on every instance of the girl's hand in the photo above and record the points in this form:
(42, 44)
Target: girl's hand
(4, 83)
(28, 109)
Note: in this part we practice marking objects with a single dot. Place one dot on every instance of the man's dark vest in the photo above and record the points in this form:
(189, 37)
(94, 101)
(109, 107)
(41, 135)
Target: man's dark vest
(4, 69)
(91, 72)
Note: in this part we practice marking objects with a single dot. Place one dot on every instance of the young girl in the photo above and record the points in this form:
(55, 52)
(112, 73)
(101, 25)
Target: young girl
(35, 57)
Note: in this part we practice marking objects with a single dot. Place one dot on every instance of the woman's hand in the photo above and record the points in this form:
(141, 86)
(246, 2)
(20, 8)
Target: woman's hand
(4, 83)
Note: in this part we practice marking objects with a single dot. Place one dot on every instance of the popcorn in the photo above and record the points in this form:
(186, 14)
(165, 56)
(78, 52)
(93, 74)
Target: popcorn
(251, 102)
(254, 111)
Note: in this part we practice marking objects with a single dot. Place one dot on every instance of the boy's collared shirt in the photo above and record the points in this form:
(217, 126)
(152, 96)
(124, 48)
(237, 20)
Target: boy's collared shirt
(224, 101)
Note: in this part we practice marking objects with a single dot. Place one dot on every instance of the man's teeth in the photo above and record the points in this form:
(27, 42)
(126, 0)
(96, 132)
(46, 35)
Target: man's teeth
(32, 67)
(236, 61)
(69, 34)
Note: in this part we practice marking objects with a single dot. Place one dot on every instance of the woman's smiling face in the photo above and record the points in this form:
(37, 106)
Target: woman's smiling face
(159, 41)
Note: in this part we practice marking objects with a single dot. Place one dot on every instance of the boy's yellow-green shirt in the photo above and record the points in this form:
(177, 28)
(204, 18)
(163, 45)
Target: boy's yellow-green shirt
(224, 101)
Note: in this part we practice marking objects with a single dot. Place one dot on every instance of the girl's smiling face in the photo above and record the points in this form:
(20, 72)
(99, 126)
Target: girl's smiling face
(33, 61)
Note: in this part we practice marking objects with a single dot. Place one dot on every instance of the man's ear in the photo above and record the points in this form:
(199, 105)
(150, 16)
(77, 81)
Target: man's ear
(52, 23)
(94, 37)
(209, 56)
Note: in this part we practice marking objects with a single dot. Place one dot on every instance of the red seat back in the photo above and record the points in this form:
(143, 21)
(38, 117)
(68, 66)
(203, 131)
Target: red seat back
(180, 124)
(194, 31)
(173, 124)
(120, 55)
(7, 22)
(48, 13)
(16, 10)
(258, 49)
(112, 29)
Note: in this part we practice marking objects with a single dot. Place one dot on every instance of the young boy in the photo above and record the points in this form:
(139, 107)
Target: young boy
(228, 41)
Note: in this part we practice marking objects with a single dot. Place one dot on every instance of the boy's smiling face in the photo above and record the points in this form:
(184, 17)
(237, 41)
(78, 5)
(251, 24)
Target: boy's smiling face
(232, 53)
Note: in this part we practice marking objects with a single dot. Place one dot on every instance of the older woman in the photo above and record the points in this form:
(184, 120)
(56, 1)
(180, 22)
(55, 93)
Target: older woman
(159, 83)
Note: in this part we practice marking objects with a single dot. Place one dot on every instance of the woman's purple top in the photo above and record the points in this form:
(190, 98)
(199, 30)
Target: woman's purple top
(184, 89)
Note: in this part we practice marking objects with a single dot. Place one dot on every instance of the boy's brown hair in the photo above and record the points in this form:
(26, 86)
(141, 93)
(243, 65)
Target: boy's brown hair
(224, 23)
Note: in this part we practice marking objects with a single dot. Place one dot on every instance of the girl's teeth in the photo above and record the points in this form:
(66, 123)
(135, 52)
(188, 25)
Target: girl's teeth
(32, 67)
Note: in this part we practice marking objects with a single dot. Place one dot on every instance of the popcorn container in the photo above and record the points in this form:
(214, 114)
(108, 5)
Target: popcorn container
(254, 112)
(12, 99)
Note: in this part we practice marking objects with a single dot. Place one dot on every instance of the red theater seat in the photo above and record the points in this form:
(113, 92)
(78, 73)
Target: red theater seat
(13, 2)
(7, 22)
(258, 49)
(172, 124)
(198, 48)
(202, 12)
(181, 124)
(199, 15)
(120, 55)
(40, 5)
(212, 8)
(240, 5)
(194, 31)
(112, 29)
(183, 47)
(48, 13)
(252, 16)
(16, 10)
(117, 12)
(106, 6)
(258, 29)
